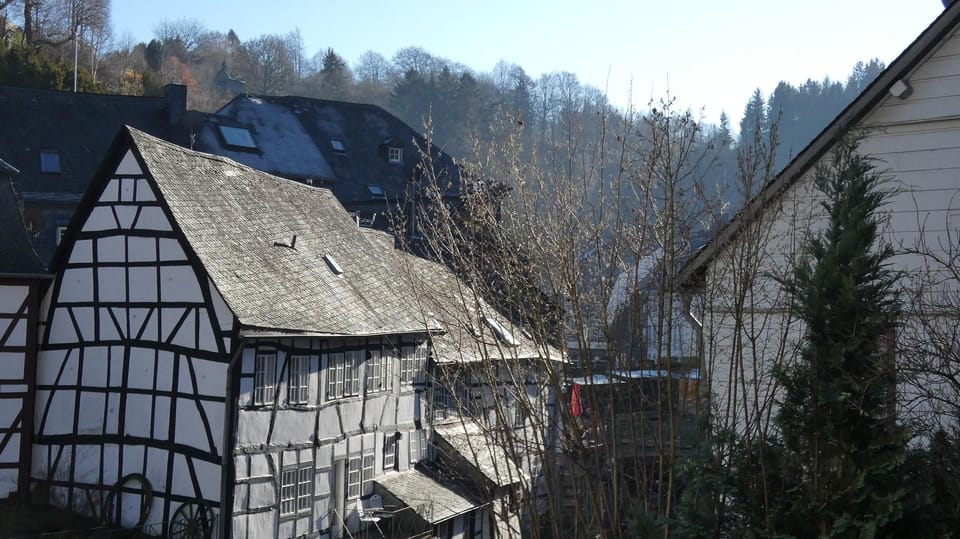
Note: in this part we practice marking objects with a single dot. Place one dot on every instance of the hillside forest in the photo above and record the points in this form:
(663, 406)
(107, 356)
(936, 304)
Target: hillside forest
(38, 38)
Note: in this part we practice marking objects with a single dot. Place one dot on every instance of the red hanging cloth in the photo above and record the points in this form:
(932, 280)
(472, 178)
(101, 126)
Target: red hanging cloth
(575, 405)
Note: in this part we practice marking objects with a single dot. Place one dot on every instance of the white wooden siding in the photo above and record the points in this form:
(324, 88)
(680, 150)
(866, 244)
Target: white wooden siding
(917, 142)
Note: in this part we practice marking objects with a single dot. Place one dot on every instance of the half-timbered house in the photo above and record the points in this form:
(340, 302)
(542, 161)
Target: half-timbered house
(22, 280)
(226, 351)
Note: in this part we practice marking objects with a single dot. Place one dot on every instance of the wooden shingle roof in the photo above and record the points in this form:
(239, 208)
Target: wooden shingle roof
(286, 257)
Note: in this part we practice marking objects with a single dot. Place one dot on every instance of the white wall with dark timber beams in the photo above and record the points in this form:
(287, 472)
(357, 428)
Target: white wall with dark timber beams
(132, 372)
(17, 299)
(282, 427)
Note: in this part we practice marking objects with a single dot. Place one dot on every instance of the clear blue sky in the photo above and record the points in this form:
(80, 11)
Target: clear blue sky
(709, 54)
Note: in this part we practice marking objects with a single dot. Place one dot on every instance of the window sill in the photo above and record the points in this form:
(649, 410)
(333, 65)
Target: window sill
(305, 513)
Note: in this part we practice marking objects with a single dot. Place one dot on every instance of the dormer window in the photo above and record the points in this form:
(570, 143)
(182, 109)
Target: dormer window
(237, 137)
(337, 145)
(50, 162)
(503, 334)
(395, 154)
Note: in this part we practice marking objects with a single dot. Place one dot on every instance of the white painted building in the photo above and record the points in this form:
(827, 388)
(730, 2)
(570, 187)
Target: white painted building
(226, 350)
(910, 117)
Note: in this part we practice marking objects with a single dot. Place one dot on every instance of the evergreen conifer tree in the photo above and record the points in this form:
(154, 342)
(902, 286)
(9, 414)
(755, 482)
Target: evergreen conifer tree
(837, 417)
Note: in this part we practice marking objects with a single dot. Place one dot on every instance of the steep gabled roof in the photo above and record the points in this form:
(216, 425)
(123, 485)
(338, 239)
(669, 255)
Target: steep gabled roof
(344, 145)
(866, 102)
(286, 257)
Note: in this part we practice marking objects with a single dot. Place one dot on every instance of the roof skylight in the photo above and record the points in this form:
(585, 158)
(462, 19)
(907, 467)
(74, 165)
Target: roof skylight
(337, 145)
(238, 137)
(375, 190)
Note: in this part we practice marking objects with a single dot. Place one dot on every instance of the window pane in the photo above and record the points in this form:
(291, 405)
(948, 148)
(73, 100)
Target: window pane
(238, 136)
(353, 478)
(264, 378)
(50, 162)
(306, 487)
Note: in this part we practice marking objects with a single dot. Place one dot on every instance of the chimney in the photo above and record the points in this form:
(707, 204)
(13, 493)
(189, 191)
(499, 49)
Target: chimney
(175, 102)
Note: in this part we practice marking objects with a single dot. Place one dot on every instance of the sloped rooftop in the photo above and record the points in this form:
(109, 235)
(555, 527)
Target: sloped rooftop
(286, 257)
(473, 329)
(432, 498)
(343, 145)
(480, 450)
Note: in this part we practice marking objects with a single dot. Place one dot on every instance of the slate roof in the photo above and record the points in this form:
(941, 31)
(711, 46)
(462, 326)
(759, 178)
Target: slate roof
(16, 252)
(80, 127)
(470, 324)
(293, 137)
(478, 449)
(432, 498)
(233, 216)
(871, 97)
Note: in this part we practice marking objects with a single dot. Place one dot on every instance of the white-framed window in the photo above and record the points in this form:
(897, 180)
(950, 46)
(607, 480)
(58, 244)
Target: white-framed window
(288, 491)
(366, 481)
(378, 371)
(304, 489)
(264, 378)
(334, 375)
(413, 364)
(353, 478)
(298, 379)
(351, 373)
(343, 374)
(395, 154)
(360, 476)
(418, 446)
(296, 489)
(390, 452)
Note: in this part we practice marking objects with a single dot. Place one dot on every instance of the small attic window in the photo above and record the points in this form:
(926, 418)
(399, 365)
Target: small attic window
(375, 190)
(50, 162)
(502, 333)
(237, 137)
(395, 154)
(332, 262)
(337, 145)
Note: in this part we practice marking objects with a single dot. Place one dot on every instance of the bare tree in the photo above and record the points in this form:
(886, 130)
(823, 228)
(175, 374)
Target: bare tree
(268, 64)
(542, 235)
